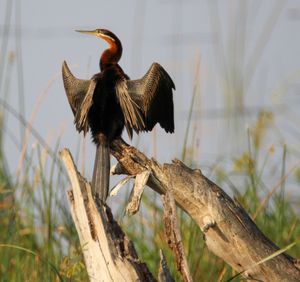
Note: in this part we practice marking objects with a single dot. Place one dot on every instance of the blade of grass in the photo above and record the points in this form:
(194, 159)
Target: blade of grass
(20, 74)
(34, 132)
(54, 269)
(29, 124)
(268, 196)
(4, 41)
(263, 261)
(195, 92)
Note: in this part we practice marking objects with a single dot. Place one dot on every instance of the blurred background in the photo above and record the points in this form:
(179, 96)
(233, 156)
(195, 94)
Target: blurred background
(236, 68)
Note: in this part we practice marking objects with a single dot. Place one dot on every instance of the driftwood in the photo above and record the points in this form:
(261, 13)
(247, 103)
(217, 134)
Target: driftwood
(229, 231)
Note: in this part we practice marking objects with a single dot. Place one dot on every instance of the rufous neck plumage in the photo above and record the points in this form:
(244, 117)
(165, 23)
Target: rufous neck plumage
(113, 54)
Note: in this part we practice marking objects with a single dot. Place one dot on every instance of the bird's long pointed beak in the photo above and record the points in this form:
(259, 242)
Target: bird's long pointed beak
(89, 32)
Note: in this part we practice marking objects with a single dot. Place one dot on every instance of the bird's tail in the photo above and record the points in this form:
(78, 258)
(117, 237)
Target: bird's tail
(100, 182)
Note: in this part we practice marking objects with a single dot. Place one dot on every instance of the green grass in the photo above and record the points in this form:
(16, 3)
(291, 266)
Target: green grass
(38, 241)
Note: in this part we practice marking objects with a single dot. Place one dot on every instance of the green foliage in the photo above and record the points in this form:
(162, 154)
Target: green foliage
(38, 241)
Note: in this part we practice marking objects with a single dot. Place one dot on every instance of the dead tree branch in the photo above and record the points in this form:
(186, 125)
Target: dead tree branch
(108, 254)
(173, 236)
(230, 233)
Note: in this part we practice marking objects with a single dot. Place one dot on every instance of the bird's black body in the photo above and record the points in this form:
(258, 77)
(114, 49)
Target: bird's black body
(105, 115)
(110, 101)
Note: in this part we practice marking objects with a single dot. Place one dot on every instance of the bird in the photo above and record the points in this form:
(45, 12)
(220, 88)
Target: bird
(110, 101)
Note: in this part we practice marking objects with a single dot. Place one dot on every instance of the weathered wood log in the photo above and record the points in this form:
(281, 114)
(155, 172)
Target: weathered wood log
(173, 236)
(108, 254)
(229, 232)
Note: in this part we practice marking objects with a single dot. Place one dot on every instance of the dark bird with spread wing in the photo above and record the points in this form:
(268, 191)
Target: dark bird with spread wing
(110, 100)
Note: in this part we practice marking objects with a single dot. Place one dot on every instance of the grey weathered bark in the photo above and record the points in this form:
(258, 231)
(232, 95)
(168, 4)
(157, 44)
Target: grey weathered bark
(229, 231)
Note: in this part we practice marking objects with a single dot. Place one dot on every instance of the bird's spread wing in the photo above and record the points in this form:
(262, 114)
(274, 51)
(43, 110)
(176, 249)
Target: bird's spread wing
(132, 113)
(80, 96)
(151, 97)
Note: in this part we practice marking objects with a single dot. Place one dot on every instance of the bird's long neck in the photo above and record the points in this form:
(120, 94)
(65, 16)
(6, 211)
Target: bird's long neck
(112, 55)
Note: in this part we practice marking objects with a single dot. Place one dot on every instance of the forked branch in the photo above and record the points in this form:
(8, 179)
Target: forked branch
(229, 231)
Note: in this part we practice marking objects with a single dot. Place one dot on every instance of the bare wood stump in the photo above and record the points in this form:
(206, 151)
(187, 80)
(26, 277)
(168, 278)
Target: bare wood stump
(229, 231)
(108, 254)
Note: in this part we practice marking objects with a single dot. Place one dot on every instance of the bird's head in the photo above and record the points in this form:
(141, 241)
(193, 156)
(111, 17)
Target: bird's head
(111, 55)
(105, 34)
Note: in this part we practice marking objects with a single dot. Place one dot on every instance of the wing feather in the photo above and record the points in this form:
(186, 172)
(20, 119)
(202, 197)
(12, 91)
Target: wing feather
(80, 96)
(153, 93)
(132, 113)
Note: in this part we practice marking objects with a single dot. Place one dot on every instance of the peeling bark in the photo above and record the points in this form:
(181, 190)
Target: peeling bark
(137, 192)
(173, 237)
